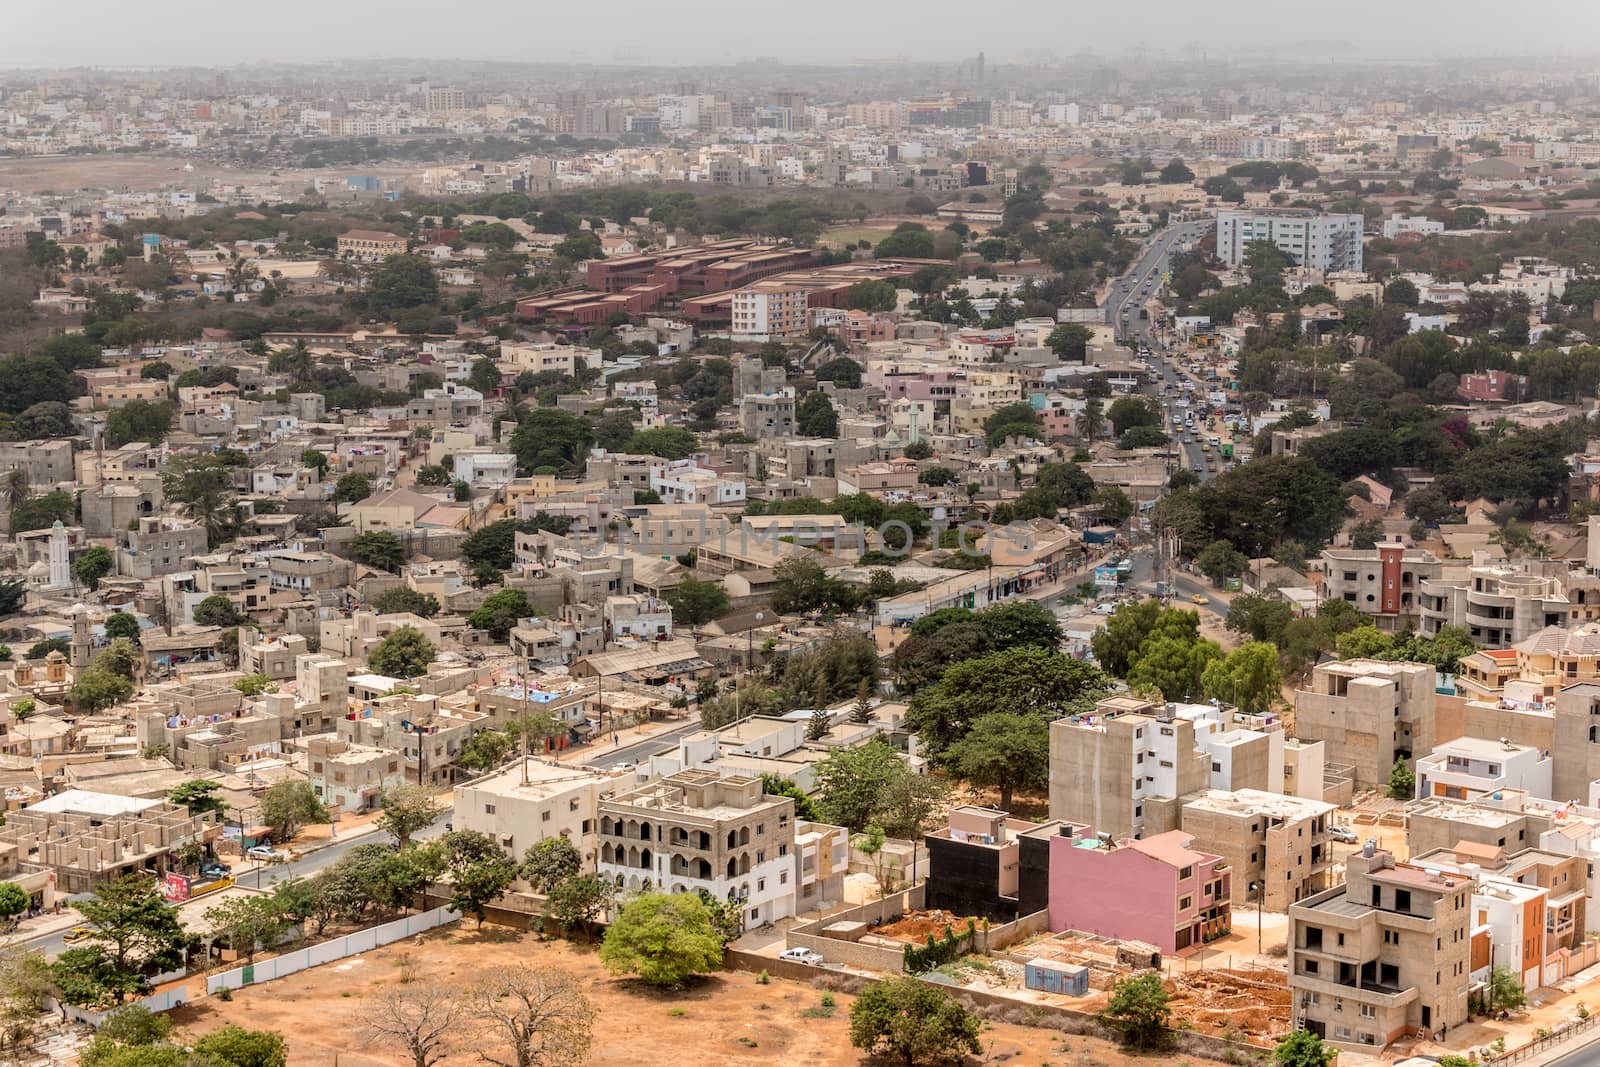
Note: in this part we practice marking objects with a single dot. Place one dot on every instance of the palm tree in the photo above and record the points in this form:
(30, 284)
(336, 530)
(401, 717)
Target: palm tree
(1093, 419)
(16, 488)
(241, 272)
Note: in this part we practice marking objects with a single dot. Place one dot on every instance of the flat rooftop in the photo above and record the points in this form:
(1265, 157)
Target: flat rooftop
(1259, 802)
(543, 778)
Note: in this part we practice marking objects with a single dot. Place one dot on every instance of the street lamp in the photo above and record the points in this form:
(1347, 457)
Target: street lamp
(749, 659)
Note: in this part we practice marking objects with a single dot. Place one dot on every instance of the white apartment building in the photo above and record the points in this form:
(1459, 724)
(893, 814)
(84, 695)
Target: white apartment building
(684, 482)
(519, 808)
(1421, 225)
(1323, 242)
(700, 830)
(769, 311)
(1472, 767)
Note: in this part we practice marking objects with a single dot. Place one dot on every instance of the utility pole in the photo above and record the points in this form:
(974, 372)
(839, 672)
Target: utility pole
(527, 700)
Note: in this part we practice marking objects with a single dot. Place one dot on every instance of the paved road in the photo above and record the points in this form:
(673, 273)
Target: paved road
(1583, 1056)
(606, 757)
(53, 943)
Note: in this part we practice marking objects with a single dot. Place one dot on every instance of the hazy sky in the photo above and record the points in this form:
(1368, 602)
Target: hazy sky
(191, 32)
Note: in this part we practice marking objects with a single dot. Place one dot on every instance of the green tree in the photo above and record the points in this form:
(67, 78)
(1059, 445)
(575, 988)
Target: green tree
(133, 934)
(121, 624)
(405, 600)
(398, 283)
(247, 923)
(1365, 642)
(873, 784)
(1220, 561)
(1138, 1011)
(663, 938)
(378, 548)
(1172, 667)
(433, 474)
(1402, 782)
(1505, 989)
(1302, 1048)
(253, 685)
(1003, 751)
(146, 421)
(407, 809)
(199, 796)
(1070, 341)
(1402, 293)
(217, 610)
(912, 1021)
(816, 417)
(804, 807)
(93, 564)
(351, 488)
(695, 603)
(842, 371)
(550, 861)
(480, 873)
(1127, 412)
(14, 900)
(234, 1046)
(203, 487)
(1025, 680)
(576, 902)
(500, 612)
(315, 459)
(551, 439)
(1248, 677)
(287, 806)
(13, 594)
(668, 442)
(486, 750)
(96, 689)
(873, 294)
(404, 653)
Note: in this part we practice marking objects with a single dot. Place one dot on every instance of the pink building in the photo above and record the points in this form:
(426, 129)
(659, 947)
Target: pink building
(1491, 385)
(917, 384)
(1158, 890)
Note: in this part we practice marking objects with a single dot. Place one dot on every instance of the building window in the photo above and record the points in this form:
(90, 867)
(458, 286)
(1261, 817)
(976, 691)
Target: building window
(1185, 903)
(488, 809)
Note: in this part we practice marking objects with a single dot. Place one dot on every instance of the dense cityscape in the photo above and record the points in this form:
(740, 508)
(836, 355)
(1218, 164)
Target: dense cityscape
(1087, 556)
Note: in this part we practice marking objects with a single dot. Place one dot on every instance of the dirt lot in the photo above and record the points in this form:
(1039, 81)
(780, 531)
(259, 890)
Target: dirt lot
(320, 1012)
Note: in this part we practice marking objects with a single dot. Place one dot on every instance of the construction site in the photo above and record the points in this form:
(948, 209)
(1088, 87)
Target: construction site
(1248, 1002)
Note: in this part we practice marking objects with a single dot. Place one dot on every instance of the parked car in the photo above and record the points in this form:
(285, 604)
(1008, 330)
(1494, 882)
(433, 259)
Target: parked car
(802, 955)
(77, 933)
(1198, 599)
(214, 870)
(1344, 834)
(268, 854)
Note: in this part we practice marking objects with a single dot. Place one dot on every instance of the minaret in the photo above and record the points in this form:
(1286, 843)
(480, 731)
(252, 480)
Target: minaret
(80, 637)
(60, 569)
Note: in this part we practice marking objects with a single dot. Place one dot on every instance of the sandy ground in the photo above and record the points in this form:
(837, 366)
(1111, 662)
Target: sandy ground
(723, 1019)
(145, 172)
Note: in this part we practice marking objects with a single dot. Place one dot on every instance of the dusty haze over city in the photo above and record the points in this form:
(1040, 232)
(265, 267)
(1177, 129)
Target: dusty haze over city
(188, 32)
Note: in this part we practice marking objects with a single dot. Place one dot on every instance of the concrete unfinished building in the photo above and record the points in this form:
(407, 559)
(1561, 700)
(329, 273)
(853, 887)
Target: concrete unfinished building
(1382, 956)
(1368, 713)
(89, 838)
(1123, 768)
(1276, 846)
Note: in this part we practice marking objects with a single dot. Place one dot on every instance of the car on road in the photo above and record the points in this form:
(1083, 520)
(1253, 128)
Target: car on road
(1344, 834)
(268, 854)
(215, 870)
(1199, 599)
(76, 934)
(802, 955)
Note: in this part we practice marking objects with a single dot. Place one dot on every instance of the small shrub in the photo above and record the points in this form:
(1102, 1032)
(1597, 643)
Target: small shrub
(227, 994)
(763, 978)
(747, 1042)
(676, 1012)
(827, 1000)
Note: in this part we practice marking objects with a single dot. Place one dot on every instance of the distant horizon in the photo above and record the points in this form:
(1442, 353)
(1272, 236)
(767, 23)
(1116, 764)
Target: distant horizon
(186, 34)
